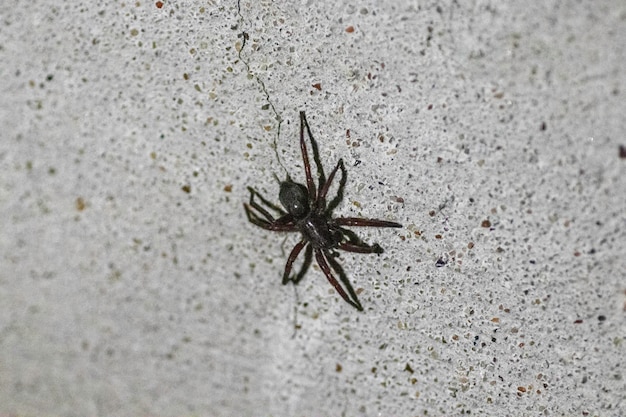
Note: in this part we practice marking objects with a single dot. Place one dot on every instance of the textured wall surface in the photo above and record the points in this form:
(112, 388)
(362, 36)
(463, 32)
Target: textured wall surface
(131, 282)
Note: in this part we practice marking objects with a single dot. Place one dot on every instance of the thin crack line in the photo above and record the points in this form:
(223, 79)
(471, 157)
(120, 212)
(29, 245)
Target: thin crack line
(244, 35)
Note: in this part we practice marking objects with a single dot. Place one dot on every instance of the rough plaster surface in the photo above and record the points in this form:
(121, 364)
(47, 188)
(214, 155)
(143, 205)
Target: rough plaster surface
(132, 284)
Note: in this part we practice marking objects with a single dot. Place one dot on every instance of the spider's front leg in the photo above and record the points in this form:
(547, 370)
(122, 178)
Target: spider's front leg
(308, 255)
(324, 258)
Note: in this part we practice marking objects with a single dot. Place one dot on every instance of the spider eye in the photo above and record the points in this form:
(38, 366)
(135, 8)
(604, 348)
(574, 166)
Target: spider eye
(295, 198)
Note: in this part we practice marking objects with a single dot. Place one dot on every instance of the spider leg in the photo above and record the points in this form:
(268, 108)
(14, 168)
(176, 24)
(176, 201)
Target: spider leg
(356, 245)
(323, 260)
(321, 197)
(284, 224)
(316, 153)
(310, 185)
(342, 184)
(357, 221)
(263, 218)
(342, 275)
(361, 248)
(269, 204)
(292, 257)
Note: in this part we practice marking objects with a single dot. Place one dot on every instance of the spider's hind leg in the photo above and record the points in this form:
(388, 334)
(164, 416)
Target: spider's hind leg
(260, 216)
(266, 202)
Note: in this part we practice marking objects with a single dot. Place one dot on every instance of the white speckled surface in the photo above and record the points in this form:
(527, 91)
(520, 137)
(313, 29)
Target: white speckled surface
(132, 284)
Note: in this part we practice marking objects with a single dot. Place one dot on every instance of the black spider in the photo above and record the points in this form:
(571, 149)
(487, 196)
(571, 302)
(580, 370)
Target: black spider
(308, 213)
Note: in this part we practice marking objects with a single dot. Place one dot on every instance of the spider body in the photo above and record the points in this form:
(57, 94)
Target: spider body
(308, 212)
(321, 233)
(295, 199)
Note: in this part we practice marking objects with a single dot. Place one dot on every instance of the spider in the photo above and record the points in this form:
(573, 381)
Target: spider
(306, 211)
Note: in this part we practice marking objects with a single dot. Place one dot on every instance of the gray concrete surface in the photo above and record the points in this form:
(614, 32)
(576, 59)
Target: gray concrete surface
(132, 284)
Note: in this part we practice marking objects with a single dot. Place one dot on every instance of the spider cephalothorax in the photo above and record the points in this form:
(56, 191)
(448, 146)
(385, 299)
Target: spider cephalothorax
(306, 211)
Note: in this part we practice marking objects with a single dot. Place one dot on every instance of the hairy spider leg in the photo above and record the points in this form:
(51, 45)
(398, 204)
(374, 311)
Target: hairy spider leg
(360, 247)
(356, 245)
(344, 278)
(308, 258)
(323, 260)
(269, 204)
(310, 185)
(358, 221)
(316, 153)
(321, 197)
(342, 185)
(275, 226)
(292, 257)
(283, 224)
(268, 217)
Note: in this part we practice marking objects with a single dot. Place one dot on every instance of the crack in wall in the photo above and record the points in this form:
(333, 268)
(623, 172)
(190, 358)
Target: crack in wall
(245, 37)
